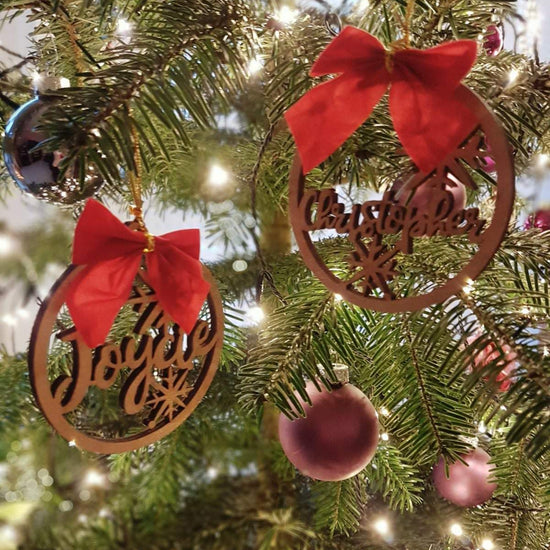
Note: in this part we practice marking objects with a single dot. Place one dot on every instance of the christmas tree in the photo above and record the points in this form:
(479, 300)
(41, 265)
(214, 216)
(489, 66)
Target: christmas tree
(182, 104)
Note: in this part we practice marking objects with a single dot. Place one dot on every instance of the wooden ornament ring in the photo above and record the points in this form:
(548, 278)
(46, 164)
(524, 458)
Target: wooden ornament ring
(41, 384)
(489, 242)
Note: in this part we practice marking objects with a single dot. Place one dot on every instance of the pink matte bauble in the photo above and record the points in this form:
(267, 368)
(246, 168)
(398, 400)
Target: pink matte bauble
(338, 436)
(468, 485)
(424, 196)
(494, 40)
(540, 219)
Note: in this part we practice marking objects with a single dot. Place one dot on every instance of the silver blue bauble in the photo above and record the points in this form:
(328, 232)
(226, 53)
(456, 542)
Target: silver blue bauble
(36, 171)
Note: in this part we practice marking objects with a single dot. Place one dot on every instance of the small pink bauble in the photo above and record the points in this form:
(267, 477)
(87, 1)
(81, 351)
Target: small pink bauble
(494, 40)
(338, 436)
(490, 353)
(540, 219)
(424, 195)
(468, 485)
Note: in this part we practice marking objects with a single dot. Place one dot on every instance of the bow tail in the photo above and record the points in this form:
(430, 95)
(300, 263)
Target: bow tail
(429, 125)
(97, 294)
(328, 114)
(178, 283)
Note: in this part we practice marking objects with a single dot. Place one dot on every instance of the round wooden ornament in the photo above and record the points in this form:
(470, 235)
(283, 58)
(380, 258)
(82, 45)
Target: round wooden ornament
(381, 232)
(156, 373)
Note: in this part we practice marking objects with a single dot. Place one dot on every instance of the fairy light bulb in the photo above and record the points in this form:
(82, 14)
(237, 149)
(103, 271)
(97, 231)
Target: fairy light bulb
(513, 76)
(7, 245)
(218, 176)
(381, 526)
(123, 26)
(255, 314)
(255, 65)
(286, 15)
(487, 544)
(456, 530)
(338, 297)
(384, 437)
(93, 478)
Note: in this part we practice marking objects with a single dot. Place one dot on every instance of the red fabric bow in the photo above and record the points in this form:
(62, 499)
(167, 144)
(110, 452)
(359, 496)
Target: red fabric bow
(112, 255)
(427, 116)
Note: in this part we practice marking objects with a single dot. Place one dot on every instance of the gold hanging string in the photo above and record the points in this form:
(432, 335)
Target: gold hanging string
(405, 41)
(134, 180)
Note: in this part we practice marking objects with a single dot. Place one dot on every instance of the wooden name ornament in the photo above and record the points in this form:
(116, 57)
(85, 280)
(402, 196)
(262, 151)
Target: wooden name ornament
(380, 232)
(157, 374)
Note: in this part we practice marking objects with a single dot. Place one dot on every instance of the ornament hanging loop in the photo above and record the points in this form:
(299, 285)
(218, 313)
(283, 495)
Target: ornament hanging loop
(134, 180)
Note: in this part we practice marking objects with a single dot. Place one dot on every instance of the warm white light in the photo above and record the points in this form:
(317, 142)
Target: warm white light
(468, 287)
(545, 351)
(212, 472)
(381, 526)
(8, 534)
(36, 78)
(526, 310)
(487, 544)
(363, 5)
(255, 65)
(286, 15)
(64, 82)
(456, 529)
(384, 411)
(9, 320)
(72, 443)
(218, 176)
(255, 314)
(93, 478)
(7, 244)
(123, 26)
(512, 76)
(481, 428)
(384, 437)
(542, 160)
(240, 265)
(22, 313)
(338, 297)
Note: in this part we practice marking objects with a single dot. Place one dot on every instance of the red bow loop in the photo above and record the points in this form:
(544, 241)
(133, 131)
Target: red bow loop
(428, 118)
(112, 254)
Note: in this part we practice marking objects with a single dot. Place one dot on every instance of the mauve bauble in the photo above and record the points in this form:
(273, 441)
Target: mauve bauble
(540, 219)
(467, 485)
(494, 40)
(425, 195)
(337, 438)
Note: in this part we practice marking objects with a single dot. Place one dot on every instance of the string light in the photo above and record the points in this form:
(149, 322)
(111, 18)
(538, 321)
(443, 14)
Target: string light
(338, 298)
(36, 78)
(7, 245)
(384, 411)
(381, 526)
(22, 313)
(468, 287)
(286, 15)
(240, 265)
(456, 530)
(218, 176)
(255, 314)
(513, 76)
(481, 428)
(487, 544)
(9, 320)
(93, 478)
(64, 82)
(8, 534)
(542, 160)
(123, 27)
(255, 65)
(384, 437)
(72, 443)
